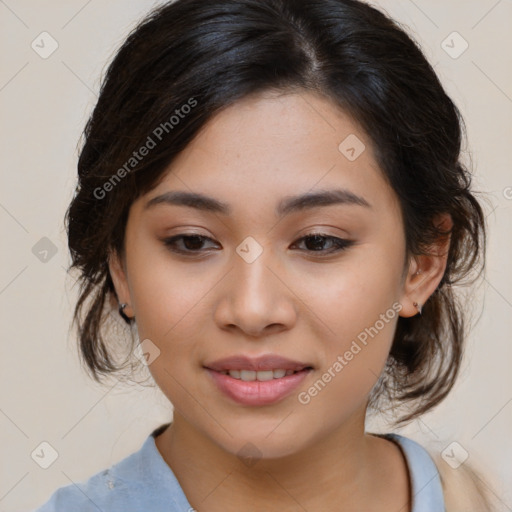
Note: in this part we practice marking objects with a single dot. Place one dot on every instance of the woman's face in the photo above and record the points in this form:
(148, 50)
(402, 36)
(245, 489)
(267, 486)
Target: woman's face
(253, 281)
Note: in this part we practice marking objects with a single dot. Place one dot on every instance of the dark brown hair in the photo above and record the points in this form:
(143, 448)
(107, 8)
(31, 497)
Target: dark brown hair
(189, 59)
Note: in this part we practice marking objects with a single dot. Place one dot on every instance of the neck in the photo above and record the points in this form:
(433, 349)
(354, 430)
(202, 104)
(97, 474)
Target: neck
(337, 470)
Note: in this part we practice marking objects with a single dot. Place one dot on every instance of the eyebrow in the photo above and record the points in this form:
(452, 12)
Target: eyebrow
(287, 205)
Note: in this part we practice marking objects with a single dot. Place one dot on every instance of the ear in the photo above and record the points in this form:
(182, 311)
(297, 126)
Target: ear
(117, 269)
(426, 271)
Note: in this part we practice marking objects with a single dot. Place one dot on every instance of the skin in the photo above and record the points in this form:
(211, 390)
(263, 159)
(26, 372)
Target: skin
(290, 301)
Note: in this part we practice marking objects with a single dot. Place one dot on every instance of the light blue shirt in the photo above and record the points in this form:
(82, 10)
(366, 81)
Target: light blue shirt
(144, 481)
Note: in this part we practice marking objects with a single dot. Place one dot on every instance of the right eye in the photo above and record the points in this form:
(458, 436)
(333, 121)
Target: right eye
(186, 243)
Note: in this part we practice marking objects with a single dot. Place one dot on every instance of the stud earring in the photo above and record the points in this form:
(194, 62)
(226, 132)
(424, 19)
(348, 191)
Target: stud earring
(418, 306)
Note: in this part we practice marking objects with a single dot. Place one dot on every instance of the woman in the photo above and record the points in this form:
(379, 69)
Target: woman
(270, 192)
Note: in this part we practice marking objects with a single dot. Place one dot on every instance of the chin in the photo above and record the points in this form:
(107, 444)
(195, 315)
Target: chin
(268, 439)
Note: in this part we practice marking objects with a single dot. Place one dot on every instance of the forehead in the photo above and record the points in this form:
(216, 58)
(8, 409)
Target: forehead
(271, 145)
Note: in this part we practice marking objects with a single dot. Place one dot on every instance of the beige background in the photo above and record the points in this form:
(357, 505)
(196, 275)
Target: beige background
(45, 396)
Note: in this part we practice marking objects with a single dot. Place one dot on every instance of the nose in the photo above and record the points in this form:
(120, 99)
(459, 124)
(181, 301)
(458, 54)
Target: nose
(256, 298)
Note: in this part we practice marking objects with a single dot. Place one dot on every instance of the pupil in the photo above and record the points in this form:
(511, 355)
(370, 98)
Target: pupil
(190, 245)
(317, 241)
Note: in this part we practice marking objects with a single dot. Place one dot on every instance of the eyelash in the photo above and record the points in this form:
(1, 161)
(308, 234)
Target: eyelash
(340, 244)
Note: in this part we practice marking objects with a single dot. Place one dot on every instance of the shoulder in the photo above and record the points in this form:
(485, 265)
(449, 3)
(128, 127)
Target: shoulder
(460, 489)
(118, 488)
(425, 482)
(140, 481)
(84, 496)
(463, 488)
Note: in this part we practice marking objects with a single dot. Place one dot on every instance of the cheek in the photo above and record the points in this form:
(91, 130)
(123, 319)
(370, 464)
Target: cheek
(348, 297)
(165, 293)
(355, 314)
(173, 310)
(354, 358)
(170, 313)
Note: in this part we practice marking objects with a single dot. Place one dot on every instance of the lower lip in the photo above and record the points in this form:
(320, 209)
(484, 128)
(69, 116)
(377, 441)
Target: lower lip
(257, 392)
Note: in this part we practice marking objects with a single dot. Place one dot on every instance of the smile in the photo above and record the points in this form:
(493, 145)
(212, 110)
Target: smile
(257, 388)
(261, 376)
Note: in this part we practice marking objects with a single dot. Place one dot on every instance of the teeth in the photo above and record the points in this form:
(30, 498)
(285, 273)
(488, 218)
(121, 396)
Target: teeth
(251, 375)
(248, 375)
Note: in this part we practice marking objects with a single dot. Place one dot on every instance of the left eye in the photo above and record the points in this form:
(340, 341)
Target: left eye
(192, 243)
(317, 240)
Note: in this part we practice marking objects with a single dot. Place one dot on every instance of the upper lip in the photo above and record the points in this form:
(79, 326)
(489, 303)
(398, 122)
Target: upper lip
(261, 363)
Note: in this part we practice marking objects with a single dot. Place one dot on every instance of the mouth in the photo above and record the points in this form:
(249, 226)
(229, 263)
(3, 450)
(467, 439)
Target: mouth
(257, 381)
(262, 375)
(260, 364)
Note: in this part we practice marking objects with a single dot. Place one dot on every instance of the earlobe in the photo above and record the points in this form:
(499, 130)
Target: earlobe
(411, 300)
(426, 271)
